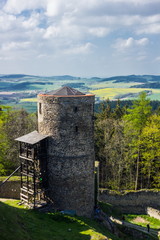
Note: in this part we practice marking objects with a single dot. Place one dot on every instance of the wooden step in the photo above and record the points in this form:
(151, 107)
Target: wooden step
(23, 195)
(25, 174)
(24, 200)
(30, 191)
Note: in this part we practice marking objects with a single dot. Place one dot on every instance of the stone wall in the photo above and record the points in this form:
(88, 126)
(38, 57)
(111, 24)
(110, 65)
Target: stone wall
(132, 202)
(68, 120)
(10, 189)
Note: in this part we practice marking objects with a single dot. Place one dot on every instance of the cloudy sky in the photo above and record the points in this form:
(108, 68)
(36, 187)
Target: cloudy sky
(80, 37)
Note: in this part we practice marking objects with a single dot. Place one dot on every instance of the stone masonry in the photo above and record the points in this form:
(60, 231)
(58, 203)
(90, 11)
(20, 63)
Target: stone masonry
(139, 202)
(68, 120)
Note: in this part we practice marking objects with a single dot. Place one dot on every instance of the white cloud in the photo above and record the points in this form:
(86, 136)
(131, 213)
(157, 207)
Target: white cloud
(151, 19)
(54, 8)
(6, 58)
(7, 22)
(17, 6)
(142, 42)
(141, 58)
(42, 56)
(51, 7)
(130, 43)
(149, 29)
(157, 59)
(80, 49)
(99, 31)
(43, 28)
(15, 46)
(51, 31)
(32, 22)
(139, 2)
(65, 30)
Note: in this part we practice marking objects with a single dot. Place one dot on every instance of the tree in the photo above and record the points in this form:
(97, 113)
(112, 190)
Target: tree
(109, 146)
(151, 151)
(105, 110)
(3, 140)
(135, 121)
(118, 111)
(13, 124)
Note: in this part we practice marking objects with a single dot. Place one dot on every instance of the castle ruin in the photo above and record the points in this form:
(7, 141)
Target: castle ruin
(61, 153)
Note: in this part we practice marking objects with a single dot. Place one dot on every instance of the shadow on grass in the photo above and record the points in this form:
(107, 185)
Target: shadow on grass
(18, 223)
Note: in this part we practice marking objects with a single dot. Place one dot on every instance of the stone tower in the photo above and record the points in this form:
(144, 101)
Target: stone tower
(66, 115)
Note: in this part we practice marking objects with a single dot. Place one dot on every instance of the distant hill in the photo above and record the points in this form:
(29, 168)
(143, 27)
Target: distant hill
(131, 95)
(148, 85)
(65, 77)
(15, 76)
(95, 78)
(132, 78)
(114, 79)
(26, 87)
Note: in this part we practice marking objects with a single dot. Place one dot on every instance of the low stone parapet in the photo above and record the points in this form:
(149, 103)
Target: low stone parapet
(132, 202)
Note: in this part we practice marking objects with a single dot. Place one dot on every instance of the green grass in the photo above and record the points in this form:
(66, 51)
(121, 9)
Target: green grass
(19, 223)
(13, 178)
(143, 220)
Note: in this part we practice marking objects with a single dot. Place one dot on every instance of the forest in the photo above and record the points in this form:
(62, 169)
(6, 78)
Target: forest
(127, 143)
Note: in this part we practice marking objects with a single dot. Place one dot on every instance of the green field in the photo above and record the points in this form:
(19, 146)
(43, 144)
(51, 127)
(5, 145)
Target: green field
(111, 84)
(111, 93)
(28, 100)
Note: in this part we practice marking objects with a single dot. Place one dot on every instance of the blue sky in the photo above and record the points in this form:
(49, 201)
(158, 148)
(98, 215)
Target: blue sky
(78, 37)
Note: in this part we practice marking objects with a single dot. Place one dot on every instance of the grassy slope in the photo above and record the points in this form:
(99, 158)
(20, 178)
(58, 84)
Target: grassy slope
(153, 222)
(141, 220)
(18, 223)
(113, 211)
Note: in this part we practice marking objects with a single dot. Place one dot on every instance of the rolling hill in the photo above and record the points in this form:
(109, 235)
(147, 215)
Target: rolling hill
(26, 87)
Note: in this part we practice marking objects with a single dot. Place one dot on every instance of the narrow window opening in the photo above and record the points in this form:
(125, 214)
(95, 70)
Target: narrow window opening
(76, 129)
(75, 109)
(40, 108)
